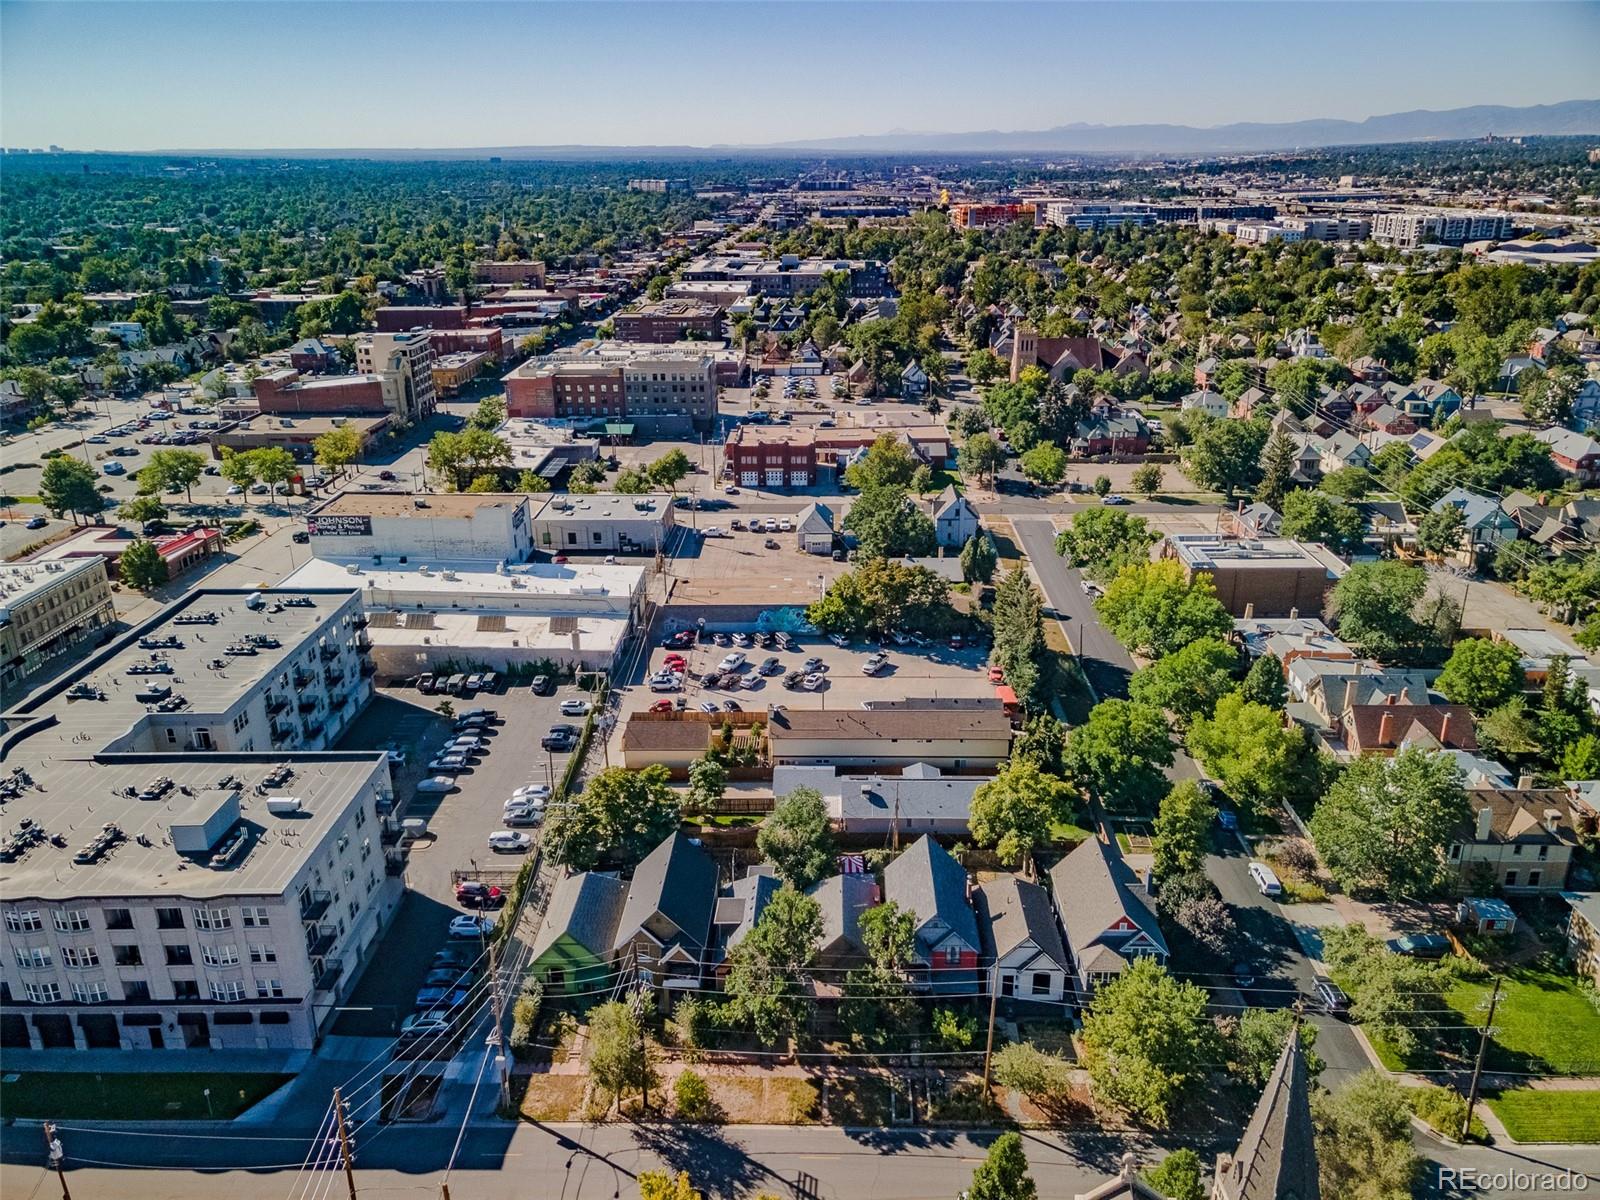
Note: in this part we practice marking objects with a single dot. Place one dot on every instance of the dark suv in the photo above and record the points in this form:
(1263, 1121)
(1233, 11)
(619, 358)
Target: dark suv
(560, 738)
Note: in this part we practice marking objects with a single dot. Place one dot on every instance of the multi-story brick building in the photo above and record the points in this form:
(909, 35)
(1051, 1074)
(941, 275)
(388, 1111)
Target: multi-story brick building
(46, 609)
(526, 272)
(668, 321)
(662, 390)
(791, 275)
(284, 392)
(772, 456)
(404, 363)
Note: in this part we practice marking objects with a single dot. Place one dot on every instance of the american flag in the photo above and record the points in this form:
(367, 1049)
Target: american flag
(852, 864)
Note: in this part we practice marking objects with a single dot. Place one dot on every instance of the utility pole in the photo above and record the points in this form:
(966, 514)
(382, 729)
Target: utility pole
(1477, 1067)
(988, 1045)
(56, 1156)
(499, 1024)
(344, 1144)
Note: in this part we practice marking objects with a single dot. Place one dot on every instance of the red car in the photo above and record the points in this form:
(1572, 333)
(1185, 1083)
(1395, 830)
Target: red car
(472, 894)
(997, 675)
(676, 662)
(560, 558)
(661, 706)
(680, 641)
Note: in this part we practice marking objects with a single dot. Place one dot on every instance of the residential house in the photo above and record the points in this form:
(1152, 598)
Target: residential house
(739, 906)
(1586, 406)
(1384, 728)
(1205, 372)
(1369, 370)
(1539, 647)
(1575, 454)
(1277, 1157)
(1106, 912)
(1256, 521)
(1542, 344)
(1333, 686)
(926, 881)
(1439, 398)
(918, 799)
(842, 899)
(1304, 343)
(814, 529)
(1342, 450)
(913, 381)
(1290, 639)
(1206, 402)
(955, 521)
(1521, 839)
(1113, 433)
(1249, 400)
(665, 925)
(1583, 933)
(572, 950)
(1023, 943)
(1513, 371)
(1485, 525)
(1386, 418)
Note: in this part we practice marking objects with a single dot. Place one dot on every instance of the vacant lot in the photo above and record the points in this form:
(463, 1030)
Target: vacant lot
(146, 1096)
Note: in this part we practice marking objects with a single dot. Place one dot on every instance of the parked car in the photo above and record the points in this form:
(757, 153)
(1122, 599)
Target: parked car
(661, 706)
(741, 638)
(1113, 499)
(1420, 945)
(731, 706)
(1091, 588)
(449, 762)
(771, 544)
(300, 537)
(771, 667)
(386, 476)
(510, 841)
(441, 999)
(532, 793)
(1266, 882)
(438, 785)
(541, 685)
(575, 706)
(811, 665)
(1245, 974)
(997, 674)
(666, 681)
(560, 738)
(682, 640)
(811, 682)
(839, 640)
(486, 716)
(1331, 998)
(731, 662)
(426, 1027)
(475, 894)
(37, 522)
(469, 926)
(521, 814)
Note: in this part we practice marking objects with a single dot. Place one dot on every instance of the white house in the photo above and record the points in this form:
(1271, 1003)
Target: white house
(955, 521)
(1020, 927)
(814, 529)
(913, 381)
(1212, 404)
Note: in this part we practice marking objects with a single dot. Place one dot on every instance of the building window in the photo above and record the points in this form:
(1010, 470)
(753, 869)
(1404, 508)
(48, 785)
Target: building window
(1041, 983)
(80, 957)
(169, 918)
(1534, 877)
(34, 958)
(72, 920)
(212, 918)
(952, 955)
(179, 956)
(126, 956)
(269, 989)
(227, 993)
(185, 989)
(28, 921)
(263, 953)
(254, 917)
(1511, 879)
(89, 993)
(219, 956)
(44, 993)
(136, 989)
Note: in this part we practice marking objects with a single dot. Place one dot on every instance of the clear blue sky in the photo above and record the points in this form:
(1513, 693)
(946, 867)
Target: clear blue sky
(152, 75)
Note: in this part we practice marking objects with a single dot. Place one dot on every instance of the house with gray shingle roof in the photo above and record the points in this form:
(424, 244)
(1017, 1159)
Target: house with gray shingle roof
(665, 926)
(1107, 914)
(1277, 1157)
(954, 518)
(739, 906)
(1030, 961)
(925, 880)
(842, 899)
(572, 950)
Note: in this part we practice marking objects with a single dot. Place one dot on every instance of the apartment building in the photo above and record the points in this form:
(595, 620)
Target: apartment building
(185, 867)
(658, 186)
(668, 321)
(1410, 228)
(1258, 576)
(526, 272)
(404, 364)
(791, 275)
(46, 609)
(1079, 214)
(661, 390)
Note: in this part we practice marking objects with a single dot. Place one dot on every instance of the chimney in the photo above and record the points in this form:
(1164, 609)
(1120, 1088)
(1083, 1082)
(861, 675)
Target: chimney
(1444, 729)
(1294, 614)
(1249, 611)
(1485, 823)
(1386, 729)
(1524, 782)
(1552, 819)
(1389, 699)
(1349, 694)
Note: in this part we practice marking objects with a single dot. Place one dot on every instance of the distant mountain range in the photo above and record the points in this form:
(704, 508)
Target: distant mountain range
(1567, 118)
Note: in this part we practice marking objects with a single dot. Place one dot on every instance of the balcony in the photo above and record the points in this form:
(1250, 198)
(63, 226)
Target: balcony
(303, 678)
(281, 733)
(320, 939)
(328, 653)
(326, 975)
(275, 705)
(363, 644)
(368, 668)
(333, 678)
(308, 704)
(314, 905)
(313, 730)
(360, 622)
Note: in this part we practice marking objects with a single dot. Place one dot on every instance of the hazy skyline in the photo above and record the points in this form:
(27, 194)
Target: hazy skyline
(247, 75)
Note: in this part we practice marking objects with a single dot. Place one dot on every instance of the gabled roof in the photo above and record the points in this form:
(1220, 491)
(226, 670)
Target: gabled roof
(677, 880)
(949, 503)
(585, 908)
(1434, 726)
(1277, 1156)
(842, 899)
(927, 881)
(742, 903)
(1094, 889)
(1533, 816)
(815, 518)
(1017, 913)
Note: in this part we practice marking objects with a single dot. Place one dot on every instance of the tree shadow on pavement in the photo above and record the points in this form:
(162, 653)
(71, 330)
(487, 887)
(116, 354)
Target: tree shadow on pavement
(718, 1165)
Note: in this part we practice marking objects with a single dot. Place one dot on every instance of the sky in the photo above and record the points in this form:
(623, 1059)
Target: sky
(243, 74)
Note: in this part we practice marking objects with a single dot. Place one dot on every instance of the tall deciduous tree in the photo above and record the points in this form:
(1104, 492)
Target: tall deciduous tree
(172, 468)
(979, 558)
(1385, 823)
(1014, 811)
(1003, 1174)
(797, 838)
(1189, 681)
(337, 448)
(877, 996)
(1104, 540)
(1482, 674)
(1226, 455)
(670, 470)
(67, 485)
(1377, 605)
(1314, 517)
(620, 813)
(882, 596)
(1146, 1038)
(1153, 610)
(1364, 1140)
(888, 462)
(981, 457)
(1183, 829)
(1119, 754)
(141, 565)
(708, 782)
(887, 524)
(1259, 759)
(765, 987)
(619, 1056)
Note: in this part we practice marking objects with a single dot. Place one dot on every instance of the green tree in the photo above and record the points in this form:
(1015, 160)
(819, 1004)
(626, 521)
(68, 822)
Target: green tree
(142, 508)
(1146, 479)
(765, 984)
(1146, 1038)
(1102, 485)
(631, 482)
(1153, 609)
(1277, 471)
(888, 462)
(239, 469)
(798, 839)
(671, 469)
(708, 782)
(1375, 605)
(1102, 541)
(882, 596)
(141, 565)
(273, 466)
(981, 457)
(1003, 1174)
(1264, 684)
(1314, 517)
(984, 367)
(691, 1099)
(878, 1002)
(620, 814)
(1348, 483)
(1120, 753)
(1023, 1067)
(1225, 456)
(1258, 758)
(1018, 630)
(888, 525)
(1043, 740)
(529, 482)
(1045, 463)
(490, 413)
(1394, 997)
(337, 448)
(1441, 531)
(173, 468)
(979, 558)
(483, 485)
(459, 457)
(619, 1056)
(1177, 1176)
(1510, 731)
(1258, 1041)
(1364, 1140)
(1582, 758)
(1482, 674)
(1189, 681)
(1013, 812)
(1183, 830)
(1384, 824)
(67, 485)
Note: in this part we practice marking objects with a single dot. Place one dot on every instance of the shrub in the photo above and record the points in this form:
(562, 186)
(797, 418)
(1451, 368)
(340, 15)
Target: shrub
(1443, 1110)
(1037, 1075)
(691, 1098)
(954, 1030)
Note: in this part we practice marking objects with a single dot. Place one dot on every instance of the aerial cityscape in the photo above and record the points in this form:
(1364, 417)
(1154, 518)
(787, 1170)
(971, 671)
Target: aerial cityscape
(1019, 620)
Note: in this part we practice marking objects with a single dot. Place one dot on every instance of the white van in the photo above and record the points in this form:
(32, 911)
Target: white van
(1266, 882)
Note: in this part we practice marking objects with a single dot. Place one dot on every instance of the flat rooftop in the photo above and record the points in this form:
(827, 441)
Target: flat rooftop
(79, 795)
(216, 651)
(1205, 551)
(20, 581)
(890, 724)
(601, 507)
(404, 504)
(295, 423)
(475, 578)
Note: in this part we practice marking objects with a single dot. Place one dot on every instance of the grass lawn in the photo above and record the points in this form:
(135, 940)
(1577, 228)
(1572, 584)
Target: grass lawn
(145, 1096)
(1532, 1115)
(1065, 834)
(1546, 1023)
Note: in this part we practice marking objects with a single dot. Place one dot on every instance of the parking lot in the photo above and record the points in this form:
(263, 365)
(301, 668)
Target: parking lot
(459, 824)
(933, 671)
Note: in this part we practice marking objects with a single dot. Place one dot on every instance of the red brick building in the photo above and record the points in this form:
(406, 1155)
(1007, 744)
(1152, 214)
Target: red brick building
(479, 340)
(570, 390)
(669, 321)
(772, 456)
(284, 392)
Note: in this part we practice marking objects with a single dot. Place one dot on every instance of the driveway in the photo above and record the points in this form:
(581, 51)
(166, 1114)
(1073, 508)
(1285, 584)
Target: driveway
(1106, 664)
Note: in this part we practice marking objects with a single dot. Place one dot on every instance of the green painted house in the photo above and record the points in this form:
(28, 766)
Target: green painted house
(572, 952)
